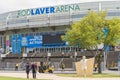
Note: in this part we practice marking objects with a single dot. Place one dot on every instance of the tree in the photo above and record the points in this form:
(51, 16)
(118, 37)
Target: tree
(86, 32)
(93, 29)
(113, 34)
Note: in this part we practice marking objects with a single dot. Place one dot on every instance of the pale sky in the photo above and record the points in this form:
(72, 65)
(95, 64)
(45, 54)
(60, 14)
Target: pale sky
(11, 5)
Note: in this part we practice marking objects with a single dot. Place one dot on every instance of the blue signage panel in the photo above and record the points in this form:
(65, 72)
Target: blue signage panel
(32, 41)
(13, 44)
(18, 43)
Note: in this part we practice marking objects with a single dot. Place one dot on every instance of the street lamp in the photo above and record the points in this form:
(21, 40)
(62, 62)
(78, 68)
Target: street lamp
(7, 18)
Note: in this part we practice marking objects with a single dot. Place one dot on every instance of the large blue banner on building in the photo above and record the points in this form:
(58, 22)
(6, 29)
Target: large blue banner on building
(18, 43)
(32, 41)
(14, 44)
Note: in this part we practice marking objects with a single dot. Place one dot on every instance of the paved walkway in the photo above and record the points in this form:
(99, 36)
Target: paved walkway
(49, 76)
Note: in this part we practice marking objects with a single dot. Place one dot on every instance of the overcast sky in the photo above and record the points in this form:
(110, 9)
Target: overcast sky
(11, 5)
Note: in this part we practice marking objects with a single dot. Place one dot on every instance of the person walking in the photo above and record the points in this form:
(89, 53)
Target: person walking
(27, 70)
(34, 70)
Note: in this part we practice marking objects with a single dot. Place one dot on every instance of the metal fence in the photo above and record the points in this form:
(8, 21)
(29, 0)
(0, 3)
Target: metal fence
(69, 59)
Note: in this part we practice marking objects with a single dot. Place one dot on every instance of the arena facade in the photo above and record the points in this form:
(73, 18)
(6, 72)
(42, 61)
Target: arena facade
(39, 30)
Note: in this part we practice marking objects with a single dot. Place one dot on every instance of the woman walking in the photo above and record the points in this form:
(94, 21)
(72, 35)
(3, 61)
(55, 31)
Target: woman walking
(27, 70)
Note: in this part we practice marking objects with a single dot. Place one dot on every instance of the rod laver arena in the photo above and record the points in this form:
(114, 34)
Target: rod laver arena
(35, 34)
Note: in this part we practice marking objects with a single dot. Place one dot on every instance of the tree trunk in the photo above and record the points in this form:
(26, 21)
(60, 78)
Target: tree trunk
(99, 64)
(99, 59)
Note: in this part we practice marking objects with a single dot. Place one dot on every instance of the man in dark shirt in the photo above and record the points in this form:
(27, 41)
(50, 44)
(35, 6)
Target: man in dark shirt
(27, 70)
(34, 70)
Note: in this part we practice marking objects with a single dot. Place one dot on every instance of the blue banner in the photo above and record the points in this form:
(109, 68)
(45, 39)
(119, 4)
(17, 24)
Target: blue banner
(18, 43)
(14, 44)
(24, 41)
(32, 41)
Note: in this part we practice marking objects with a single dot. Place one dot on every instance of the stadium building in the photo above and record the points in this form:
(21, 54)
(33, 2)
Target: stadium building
(35, 34)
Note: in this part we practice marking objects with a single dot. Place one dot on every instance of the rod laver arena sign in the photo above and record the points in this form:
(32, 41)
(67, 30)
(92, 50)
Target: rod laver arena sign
(49, 10)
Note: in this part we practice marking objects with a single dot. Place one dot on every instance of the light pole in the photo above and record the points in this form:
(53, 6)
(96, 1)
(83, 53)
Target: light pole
(7, 19)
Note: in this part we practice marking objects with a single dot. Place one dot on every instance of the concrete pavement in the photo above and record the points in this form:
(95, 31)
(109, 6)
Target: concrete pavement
(52, 77)
(63, 72)
(21, 74)
(74, 72)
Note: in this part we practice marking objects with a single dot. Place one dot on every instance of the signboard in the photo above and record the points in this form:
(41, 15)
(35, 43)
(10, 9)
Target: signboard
(14, 44)
(7, 43)
(32, 41)
(89, 71)
(18, 44)
(49, 10)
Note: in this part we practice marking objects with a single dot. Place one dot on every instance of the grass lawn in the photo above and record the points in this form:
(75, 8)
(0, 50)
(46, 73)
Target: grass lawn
(11, 78)
(95, 75)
